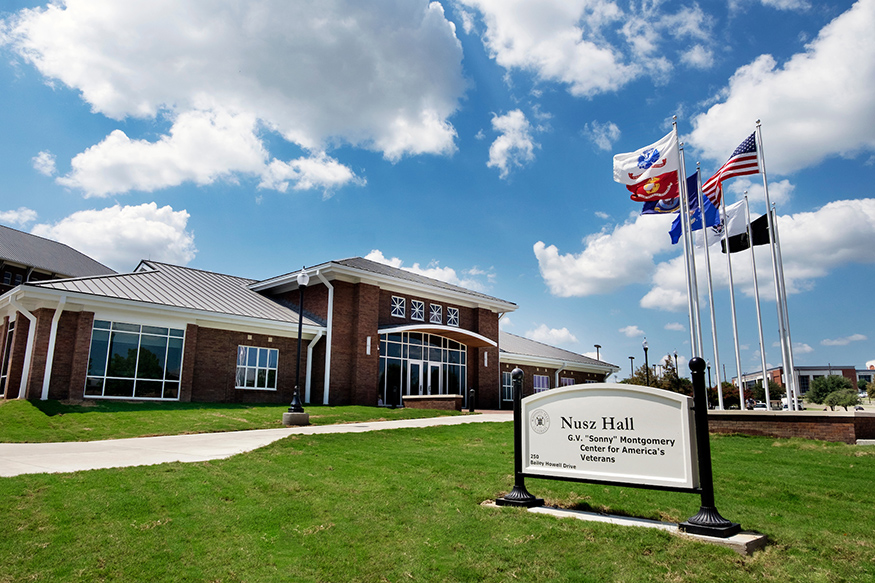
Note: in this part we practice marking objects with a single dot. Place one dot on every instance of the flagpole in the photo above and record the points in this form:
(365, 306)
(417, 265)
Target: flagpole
(683, 214)
(795, 386)
(710, 288)
(788, 374)
(756, 292)
(732, 304)
(692, 272)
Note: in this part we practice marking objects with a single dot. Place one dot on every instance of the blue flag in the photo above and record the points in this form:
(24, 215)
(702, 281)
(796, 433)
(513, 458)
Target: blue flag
(712, 215)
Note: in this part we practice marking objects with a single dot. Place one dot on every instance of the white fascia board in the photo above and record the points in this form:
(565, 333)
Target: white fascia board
(76, 301)
(527, 359)
(391, 284)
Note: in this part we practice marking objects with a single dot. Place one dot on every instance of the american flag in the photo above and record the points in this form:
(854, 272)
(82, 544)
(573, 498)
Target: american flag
(743, 161)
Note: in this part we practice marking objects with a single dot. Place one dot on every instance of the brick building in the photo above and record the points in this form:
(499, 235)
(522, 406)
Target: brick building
(370, 334)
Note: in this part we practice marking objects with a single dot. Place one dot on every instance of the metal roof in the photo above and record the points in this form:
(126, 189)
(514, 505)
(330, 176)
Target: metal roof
(47, 255)
(182, 287)
(513, 344)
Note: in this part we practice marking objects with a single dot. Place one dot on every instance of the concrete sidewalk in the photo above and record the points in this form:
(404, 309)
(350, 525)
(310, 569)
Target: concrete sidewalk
(40, 458)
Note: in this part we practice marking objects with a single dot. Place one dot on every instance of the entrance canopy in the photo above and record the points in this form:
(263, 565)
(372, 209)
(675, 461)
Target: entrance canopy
(466, 337)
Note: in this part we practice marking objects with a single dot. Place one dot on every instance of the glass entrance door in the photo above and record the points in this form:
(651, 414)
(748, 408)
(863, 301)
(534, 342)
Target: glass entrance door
(434, 379)
(415, 382)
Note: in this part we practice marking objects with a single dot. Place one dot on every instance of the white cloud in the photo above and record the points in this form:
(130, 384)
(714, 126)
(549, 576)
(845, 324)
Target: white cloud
(675, 326)
(829, 86)
(812, 245)
(120, 236)
(698, 57)
(787, 4)
(384, 75)
(780, 191)
(631, 331)
(844, 341)
(609, 260)
(552, 336)
(202, 147)
(603, 135)
(318, 171)
(44, 163)
(435, 271)
(515, 146)
(505, 323)
(20, 216)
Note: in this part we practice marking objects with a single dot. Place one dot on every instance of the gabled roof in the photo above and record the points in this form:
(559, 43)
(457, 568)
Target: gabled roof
(47, 255)
(182, 287)
(360, 269)
(517, 345)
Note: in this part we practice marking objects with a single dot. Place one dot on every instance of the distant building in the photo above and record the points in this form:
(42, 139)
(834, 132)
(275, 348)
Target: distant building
(26, 258)
(804, 375)
(370, 334)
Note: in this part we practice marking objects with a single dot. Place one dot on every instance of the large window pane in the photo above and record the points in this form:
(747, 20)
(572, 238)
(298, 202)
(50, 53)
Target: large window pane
(149, 389)
(97, 356)
(94, 387)
(119, 388)
(123, 355)
(153, 350)
(174, 360)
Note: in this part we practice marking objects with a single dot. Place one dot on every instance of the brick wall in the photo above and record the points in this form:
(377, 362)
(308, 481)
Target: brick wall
(843, 427)
(214, 367)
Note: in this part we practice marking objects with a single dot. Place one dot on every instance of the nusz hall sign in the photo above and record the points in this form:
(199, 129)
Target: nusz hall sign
(611, 433)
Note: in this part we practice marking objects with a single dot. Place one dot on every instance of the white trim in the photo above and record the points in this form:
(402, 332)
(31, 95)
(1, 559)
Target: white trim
(439, 329)
(50, 356)
(28, 349)
(308, 377)
(330, 327)
(525, 359)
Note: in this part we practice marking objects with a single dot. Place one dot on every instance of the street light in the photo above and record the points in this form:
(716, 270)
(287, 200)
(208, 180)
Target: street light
(597, 346)
(646, 365)
(632, 366)
(303, 280)
(676, 375)
(708, 362)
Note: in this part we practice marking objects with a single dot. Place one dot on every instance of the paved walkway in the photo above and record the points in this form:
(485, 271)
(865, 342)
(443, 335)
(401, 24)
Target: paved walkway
(40, 458)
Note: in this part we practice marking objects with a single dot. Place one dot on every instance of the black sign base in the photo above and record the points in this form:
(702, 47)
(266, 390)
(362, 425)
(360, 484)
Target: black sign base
(708, 522)
(727, 531)
(519, 497)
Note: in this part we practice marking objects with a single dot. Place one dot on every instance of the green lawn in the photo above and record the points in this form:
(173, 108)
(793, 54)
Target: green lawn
(406, 505)
(51, 421)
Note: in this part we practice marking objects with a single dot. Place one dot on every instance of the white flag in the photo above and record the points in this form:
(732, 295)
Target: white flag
(648, 162)
(735, 219)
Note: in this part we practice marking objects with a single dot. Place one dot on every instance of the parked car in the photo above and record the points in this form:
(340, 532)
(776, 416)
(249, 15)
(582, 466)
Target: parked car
(760, 406)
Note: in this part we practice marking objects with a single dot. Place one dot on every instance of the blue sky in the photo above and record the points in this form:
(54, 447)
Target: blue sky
(469, 140)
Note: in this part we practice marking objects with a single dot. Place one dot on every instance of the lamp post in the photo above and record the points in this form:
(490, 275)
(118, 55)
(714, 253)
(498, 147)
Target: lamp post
(631, 366)
(303, 280)
(646, 364)
(677, 377)
(597, 347)
(708, 363)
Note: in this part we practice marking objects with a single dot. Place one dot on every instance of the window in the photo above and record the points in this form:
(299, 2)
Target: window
(7, 278)
(435, 315)
(542, 382)
(452, 316)
(417, 310)
(18, 279)
(566, 382)
(803, 383)
(256, 368)
(398, 307)
(506, 387)
(133, 361)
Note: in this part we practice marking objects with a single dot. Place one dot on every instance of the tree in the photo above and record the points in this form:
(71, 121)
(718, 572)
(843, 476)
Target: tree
(842, 398)
(668, 380)
(821, 387)
(870, 391)
(757, 392)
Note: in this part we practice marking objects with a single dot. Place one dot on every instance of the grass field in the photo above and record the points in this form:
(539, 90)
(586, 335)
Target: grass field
(406, 505)
(52, 421)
